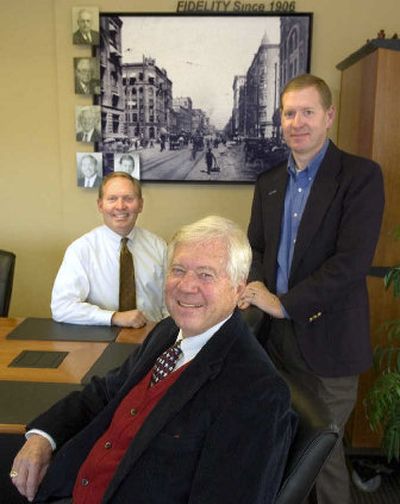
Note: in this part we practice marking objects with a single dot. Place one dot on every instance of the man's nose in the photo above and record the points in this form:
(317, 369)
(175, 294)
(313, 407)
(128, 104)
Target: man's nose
(188, 282)
(297, 119)
(120, 203)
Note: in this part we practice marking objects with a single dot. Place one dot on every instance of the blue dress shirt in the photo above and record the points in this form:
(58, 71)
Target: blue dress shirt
(297, 192)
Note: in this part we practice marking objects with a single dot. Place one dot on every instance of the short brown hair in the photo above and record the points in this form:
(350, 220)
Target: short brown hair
(308, 80)
(135, 182)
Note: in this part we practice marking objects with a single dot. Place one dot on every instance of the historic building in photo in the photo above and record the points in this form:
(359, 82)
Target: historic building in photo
(183, 110)
(294, 47)
(148, 95)
(200, 122)
(262, 91)
(112, 93)
(238, 87)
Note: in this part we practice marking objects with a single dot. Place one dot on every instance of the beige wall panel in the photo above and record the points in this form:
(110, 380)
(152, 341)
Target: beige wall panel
(41, 209)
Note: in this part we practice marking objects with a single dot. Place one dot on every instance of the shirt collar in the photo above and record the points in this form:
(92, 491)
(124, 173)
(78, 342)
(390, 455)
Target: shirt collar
(91, 179)
(115, 237)
(312, 167)
(194, 344)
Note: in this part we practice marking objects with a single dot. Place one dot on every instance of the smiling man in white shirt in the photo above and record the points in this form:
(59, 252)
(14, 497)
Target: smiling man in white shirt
(86, 289)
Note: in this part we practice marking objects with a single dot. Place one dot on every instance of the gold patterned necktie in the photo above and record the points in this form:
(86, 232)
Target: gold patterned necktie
(127, 289)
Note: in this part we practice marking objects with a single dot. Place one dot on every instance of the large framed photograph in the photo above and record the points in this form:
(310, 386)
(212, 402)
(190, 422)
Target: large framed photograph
(196, 97)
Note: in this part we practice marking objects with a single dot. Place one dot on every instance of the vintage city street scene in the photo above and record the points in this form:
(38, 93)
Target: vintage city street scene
(197, 97)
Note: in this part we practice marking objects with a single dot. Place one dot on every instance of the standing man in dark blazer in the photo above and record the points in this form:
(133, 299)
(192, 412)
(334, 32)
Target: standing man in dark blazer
(313, 230)
(215, 430)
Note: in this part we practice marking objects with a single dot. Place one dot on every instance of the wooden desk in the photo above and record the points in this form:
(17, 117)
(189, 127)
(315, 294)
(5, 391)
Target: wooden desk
(40, 388)
(134, 335)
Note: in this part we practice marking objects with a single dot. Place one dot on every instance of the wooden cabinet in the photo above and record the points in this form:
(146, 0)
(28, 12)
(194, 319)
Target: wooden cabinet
(369, 125)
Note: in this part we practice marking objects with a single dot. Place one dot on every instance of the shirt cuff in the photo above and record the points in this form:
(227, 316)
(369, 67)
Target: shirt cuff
(39, 432)
(285, 313)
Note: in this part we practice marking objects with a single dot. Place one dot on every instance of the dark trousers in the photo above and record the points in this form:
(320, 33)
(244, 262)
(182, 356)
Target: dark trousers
(339, 394)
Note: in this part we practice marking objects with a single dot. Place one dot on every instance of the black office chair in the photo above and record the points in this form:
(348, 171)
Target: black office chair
(316, 434)
(315, 438)
(7, 264)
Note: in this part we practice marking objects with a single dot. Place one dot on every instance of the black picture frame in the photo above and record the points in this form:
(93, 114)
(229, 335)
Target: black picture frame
(198, 95)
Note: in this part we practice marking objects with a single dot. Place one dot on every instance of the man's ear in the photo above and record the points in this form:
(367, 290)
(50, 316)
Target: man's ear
(330, 114)
(141, 205)
(240, 288)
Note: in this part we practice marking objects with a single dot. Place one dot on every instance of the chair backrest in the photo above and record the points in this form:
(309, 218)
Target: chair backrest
(315, 438)
(316, 434)
(7, 263)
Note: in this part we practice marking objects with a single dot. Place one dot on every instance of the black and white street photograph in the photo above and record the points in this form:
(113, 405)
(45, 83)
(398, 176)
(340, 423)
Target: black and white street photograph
(197, 97)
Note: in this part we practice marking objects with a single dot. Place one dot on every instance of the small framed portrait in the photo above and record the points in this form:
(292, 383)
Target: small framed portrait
(89, 169)
(87, 76)
(129, 163)
(85, 26)
(88, 123)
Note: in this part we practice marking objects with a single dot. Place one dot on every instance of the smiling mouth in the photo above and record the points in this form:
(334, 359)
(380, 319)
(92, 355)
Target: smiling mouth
(189, 305)
(299, 135)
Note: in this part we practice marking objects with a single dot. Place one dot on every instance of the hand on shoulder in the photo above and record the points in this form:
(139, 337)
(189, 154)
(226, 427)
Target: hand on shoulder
(257, 294)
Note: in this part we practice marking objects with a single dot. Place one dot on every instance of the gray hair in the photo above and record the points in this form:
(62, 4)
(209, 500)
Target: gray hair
(215, 227)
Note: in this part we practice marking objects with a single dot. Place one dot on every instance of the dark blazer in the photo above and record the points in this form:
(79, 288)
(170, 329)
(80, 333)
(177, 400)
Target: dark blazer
(97, 182)
(93, 87)
(78, 38)
(96, 136)
(219, 435)
(327, 298)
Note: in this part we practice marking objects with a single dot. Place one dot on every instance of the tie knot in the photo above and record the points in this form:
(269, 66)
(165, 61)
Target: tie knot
(124, 245)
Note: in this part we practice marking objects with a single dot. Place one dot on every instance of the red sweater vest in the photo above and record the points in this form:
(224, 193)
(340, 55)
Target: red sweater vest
(100, 465)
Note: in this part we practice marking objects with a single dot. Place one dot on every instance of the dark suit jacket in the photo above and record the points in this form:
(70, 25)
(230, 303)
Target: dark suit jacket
(77, 38)
(92, 88)
(96, 136)
(219, 435)
(97, 182)
(327, 298)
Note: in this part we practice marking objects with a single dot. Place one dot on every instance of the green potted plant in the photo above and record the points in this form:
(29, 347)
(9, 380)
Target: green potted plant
(383, 398)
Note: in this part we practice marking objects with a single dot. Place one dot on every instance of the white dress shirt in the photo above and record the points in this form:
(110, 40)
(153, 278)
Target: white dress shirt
(192, 345)
(86, 289)
(89, 181)
(87, 135)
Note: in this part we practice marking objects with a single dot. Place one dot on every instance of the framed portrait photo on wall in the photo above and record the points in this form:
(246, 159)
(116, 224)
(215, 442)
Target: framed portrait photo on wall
(196, 97)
